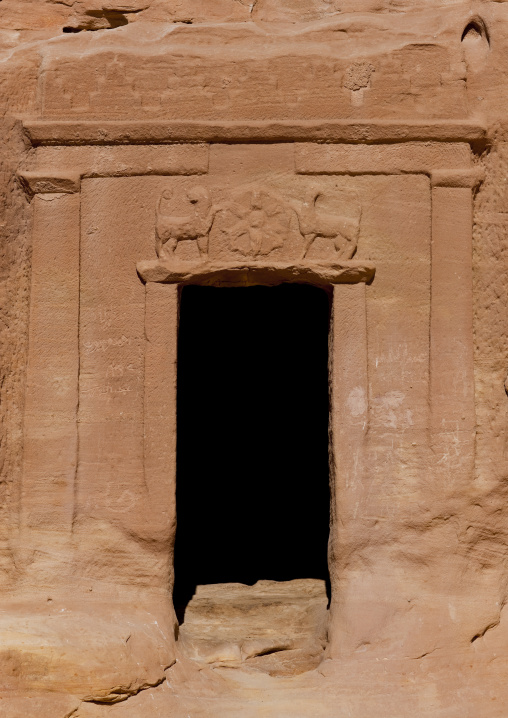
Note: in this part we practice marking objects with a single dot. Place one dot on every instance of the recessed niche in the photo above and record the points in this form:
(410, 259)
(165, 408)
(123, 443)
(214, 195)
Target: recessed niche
(475, 44)
(252, 476)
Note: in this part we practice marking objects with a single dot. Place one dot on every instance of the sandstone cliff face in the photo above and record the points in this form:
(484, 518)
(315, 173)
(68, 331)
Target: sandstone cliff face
(86, 612)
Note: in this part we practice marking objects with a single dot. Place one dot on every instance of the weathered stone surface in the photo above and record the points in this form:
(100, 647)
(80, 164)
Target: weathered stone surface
(275, 626)
(103, 655)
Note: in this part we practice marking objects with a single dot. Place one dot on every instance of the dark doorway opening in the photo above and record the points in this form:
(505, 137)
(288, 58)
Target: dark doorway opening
(253, 497)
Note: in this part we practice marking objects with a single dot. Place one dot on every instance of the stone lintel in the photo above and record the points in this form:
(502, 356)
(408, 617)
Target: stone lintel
(97, 132)
(216, 273)
(383, 159)
(126, 160)
(50, 182)
(457, 178)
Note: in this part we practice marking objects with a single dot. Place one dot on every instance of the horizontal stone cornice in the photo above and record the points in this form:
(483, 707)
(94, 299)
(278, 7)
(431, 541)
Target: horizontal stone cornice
(104, 132)
(241, 274)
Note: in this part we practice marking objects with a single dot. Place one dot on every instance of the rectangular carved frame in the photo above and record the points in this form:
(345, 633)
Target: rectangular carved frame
(66, 152)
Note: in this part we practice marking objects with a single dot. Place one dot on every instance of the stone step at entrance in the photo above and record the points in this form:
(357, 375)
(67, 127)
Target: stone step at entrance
(277, 627)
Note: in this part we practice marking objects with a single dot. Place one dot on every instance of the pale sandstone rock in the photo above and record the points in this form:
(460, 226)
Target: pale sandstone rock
(55, 647)
(276, 626)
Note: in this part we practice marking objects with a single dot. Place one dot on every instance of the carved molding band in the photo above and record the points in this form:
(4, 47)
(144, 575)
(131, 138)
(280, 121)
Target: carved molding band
(461, 179)
(52, 182)
(255, 273)
(97, 132)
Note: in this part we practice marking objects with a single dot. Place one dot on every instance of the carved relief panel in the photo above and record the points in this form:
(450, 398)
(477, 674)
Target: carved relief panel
(299, 224)
(257, 221)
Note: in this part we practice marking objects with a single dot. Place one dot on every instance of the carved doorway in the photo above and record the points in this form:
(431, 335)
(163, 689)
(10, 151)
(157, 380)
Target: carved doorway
(252, 475)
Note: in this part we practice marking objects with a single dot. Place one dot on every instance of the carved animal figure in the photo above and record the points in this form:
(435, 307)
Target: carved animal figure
(314, 223)
(195, 226)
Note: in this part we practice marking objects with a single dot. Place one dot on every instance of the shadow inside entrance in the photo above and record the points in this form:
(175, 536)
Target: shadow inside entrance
(252, 449)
